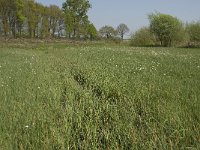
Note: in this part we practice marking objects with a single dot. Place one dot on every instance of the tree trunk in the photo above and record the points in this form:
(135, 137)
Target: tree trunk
(74, 32)
(107, 36)
(5, 26)
(53, 32)
(20, 30)
(13, 26)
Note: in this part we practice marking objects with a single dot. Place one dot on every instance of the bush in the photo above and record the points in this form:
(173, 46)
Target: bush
(143, 37)
(167, 29)
(193, 30)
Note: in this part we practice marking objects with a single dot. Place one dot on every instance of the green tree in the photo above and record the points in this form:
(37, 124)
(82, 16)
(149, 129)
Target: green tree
(30, 17)
(75, 15)
(107, 31)
(193, 29)
(41, 11)
(54, 16)
(11, 13)
(32, 13)
(143, 37)
(61, 24)
(20, 15)
(166, 28)
(92, 31)
(4, 13)
(45, 23)
(69, 23)
(122, 29)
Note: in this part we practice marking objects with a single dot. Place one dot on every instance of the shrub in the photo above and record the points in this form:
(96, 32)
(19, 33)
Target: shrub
(166, 28)
(193, 30)
(142, 37)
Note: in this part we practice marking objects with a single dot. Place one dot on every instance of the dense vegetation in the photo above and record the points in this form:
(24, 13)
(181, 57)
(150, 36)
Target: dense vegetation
(27, 18)
(166, 30)
(57, 96)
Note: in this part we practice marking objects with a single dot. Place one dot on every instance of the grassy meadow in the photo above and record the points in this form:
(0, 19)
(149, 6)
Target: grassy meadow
(65, 96)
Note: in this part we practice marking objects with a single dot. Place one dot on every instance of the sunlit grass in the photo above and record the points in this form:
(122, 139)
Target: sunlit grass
(99, 97)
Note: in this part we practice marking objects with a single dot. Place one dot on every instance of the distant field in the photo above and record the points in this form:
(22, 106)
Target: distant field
(54, 96)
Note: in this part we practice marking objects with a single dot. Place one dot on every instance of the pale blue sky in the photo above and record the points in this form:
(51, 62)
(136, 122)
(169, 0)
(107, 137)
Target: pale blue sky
(134, 12)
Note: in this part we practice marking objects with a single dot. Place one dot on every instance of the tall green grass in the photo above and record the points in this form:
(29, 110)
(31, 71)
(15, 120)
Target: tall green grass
(99, 97)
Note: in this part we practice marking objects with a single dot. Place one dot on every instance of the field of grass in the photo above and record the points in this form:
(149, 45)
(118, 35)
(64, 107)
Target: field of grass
(59, 96)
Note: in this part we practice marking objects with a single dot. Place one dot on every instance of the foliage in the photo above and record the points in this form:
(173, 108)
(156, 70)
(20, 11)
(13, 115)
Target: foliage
(11, 14)
(193, 29)
(107, 32)
(27, 17)
(32, 14)
(143, 37)
(92, 31)
(76, 16)
(166, 28)
(122, 29)
(55, 15)
(45, 26)
(22, 17)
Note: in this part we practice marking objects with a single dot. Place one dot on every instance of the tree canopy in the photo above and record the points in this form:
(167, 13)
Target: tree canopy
(165, 27)
(193, 30)
(143, 37)
(27, 18)
(122, 29)
(76, 18)
(107, 31)
(30, 19)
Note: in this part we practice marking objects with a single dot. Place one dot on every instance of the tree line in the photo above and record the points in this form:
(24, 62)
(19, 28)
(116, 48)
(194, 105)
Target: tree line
(27, 18)
(166, 30)
(110, 32)
(163, 30)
